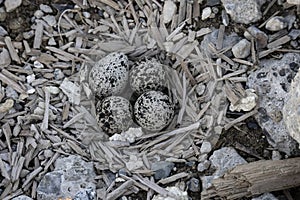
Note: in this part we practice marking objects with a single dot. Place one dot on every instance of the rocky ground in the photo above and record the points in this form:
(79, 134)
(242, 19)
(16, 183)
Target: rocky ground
(231, 69)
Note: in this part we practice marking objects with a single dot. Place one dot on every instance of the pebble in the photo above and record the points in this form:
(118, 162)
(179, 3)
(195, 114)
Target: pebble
(6, 106)
(177, 194)
(241, 49)
(30, 78)
(12, 5)
(22, 197)
(194, 185)
(200, 89)
(86, 15)
(11, 93)
(246, 103)
(38, 65)
(276, 155)
(294, 34)
(5, 59)
(260, 36)
(58, 74)
(276, 23)
(206, 147)
(295, 2)
(203, 166)
(206, 13)
(72, 177)
(3, 32)
(45, 8)
(245, 12)
(28, 35)
(50, 19)
(38, 14)
(52, 42)
(53, 89)
(3, 14)
(169, 10)
(134, 163)
(162, 169)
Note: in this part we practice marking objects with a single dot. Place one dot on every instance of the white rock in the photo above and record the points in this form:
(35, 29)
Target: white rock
(203, 166)
(246, 103)
(45, 8)
(276, 23)
(296, 2)
(12, 5)
(176, 192)
(134, 163)
(50, 19)
(241, 49)
(276, 155)
(169, 10)
(38, 65)
(86, 15)
(130, 135)
(53, 89)
(52, 41)
(38, 14)
(30, 78)
(205, 147)
(206, 12)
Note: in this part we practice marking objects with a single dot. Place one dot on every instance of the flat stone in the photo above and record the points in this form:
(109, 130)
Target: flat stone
(241, 49)
(261, 37)
(295, 2)
(72, 178)
(12, 5)
(162, 169)
(276, 23)
(246, 11)
(272, 83)
(50, 19)
(22, 197)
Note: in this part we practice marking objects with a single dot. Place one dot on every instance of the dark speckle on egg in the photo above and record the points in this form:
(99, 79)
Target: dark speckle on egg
(153, 110)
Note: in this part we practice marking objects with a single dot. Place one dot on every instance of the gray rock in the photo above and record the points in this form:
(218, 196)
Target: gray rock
(3, 32)
(162, 169)
(246, 11)
(241, 49)
(5, 59)
(222, 160)
(10, 92)
(50, 19)
(22, 197)
(266, 196)
(202, 166)
(276, 23)
(272, 83)
(291, 109)
(194, 185)
(38, 14)
(294, 34)
(229, 41)
(261, 38)
(45, 8)
(71, 178)
(12, 5)
(205, 147)
(206, 12)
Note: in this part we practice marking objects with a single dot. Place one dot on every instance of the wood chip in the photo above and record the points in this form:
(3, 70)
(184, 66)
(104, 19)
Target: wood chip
(13, 53)
(38, 35)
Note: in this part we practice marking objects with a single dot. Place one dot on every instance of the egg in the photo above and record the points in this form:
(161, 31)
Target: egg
(153, 110)
(114, 114)
(146, 76)
(109, 76)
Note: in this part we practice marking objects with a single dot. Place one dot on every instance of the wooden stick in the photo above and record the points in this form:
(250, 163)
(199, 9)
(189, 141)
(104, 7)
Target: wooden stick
(255, 178)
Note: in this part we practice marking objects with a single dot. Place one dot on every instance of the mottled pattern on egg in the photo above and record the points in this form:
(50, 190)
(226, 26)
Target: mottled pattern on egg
(114, 114)
(109, 76)
(153, 110)
(146, 76)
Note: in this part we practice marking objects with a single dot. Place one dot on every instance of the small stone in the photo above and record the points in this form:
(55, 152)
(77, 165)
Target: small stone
(265, 196)
(38, 14)
(194, 185)
(162, 169)
(276, 155)
(241, 49)
(50, 19)
(22, 197)
(58, 74)
(52, 41)
(134, 163)
(177, 194)
(38, 65)
(245, 12)
(6, 106)
(206, 13)
(276, 23)
(45, 8)
(12, 5)
(205, 147)
(53, 89)
(86, 15)
(294, 34)
(30, 78)
(11, 93)
(246, 103)
(203, 166)
(3, 32)
(169, 11)
(260, 37)
(28, 35)
(5, 59)
(295, 2)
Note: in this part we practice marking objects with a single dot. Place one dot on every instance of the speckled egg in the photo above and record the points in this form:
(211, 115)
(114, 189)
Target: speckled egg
(153, 110)
(146, 76)
(114, 114)
(109, 76)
